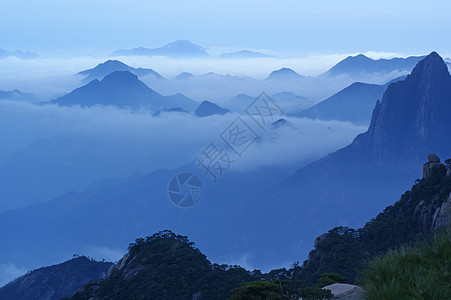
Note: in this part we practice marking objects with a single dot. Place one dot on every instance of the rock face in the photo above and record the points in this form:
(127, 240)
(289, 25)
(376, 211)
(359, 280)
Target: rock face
(433, 163)
(412, 117)
(320, 239)
(442, 215)
(345, 291)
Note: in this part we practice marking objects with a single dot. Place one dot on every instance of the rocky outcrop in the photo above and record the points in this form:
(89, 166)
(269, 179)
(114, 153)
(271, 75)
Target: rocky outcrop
(433, 163)
(433, 216)
(345, 291)
(320, 239)
(434, 213)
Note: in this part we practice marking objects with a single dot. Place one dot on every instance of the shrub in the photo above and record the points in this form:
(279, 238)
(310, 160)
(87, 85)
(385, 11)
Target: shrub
(331, 278)
(421, 272)
(314, 293)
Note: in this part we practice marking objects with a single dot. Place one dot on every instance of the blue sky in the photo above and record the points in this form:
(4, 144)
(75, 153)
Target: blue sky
(291, 26)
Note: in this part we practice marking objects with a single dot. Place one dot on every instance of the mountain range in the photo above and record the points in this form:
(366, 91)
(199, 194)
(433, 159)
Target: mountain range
(356, 65)
(17, 95)
(354, 104)
(177, 49)
(18, 54)
(245, 54)
(288, 101)
(257, 213)
(278, 81)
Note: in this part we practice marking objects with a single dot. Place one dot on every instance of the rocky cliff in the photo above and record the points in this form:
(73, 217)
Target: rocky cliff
(354, 183)
(425, 208)
(412, 118)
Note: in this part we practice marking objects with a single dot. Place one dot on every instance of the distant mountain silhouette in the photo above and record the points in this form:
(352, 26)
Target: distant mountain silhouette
(181, 101)
(244, 54)
(289, 101)
(356, 65)
(238, 103)
(17, 95)
(110, 66)
(177, 49)
(207, 108)
(111, 213)
(184, 76)
(282, 123)
(57, 281)
(354, 104)
(284, 74)
(120, 88)
(169, 110)
(356, 182)
(18, 54)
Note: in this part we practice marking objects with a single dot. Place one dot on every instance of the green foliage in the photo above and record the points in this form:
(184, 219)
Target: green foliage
(168, 266)
(421, 272)
(330, 278)
(260, 290)
(341, 252)
(315, 293)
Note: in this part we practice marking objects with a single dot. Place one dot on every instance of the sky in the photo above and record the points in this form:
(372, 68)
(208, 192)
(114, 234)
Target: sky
(95, 27)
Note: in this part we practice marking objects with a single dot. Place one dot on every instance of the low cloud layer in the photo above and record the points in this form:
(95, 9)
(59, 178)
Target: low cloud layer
(53, 150)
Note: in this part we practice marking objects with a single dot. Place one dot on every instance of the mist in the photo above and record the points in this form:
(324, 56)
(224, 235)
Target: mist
(54, 150)
(216, 79)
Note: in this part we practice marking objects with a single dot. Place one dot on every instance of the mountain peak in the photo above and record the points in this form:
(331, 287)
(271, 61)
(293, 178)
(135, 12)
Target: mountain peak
(415, 109)
(112, 62)
(119, 88)
(359, 57)
(284, 73)
(207, 108)
(184, 43)
(184, 75)
(432, 66)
